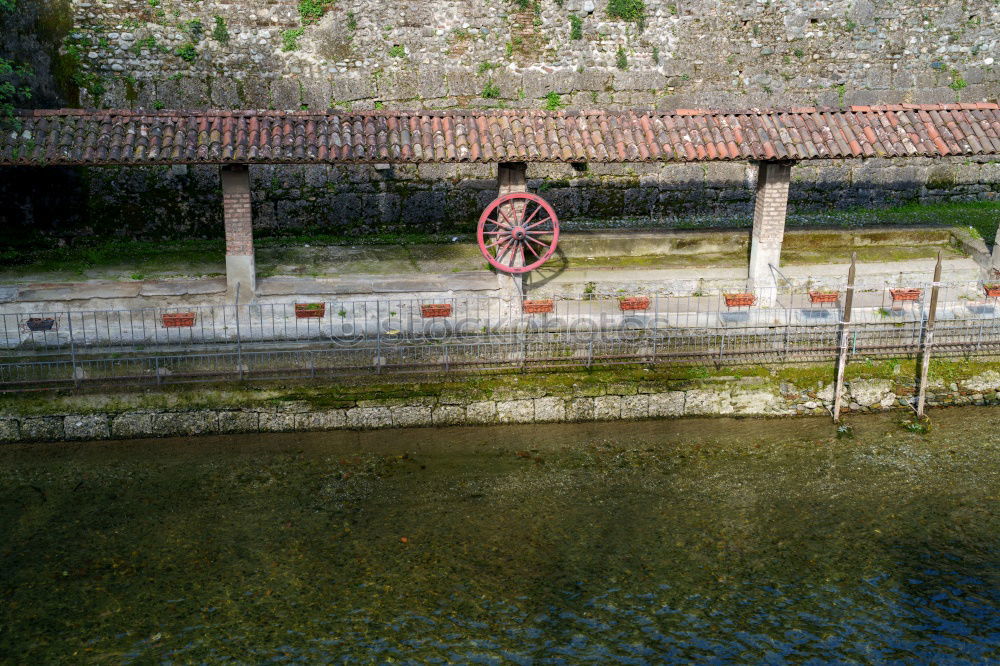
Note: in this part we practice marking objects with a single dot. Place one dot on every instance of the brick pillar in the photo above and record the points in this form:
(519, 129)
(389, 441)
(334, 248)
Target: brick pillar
(512, 177)
(240, 268)
(770, 207)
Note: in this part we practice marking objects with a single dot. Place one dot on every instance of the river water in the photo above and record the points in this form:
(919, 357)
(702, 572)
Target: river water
(688, 540)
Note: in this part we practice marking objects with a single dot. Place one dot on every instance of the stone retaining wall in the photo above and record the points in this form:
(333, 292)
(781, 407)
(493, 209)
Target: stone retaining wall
(750, 396)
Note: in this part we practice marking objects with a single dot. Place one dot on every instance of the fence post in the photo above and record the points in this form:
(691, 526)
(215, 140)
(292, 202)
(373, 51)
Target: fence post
(239, 337)
(378, 337)
(928, 339)
(845, 324)
(72, 348)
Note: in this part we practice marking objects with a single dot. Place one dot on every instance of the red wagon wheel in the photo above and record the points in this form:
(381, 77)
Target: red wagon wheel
(518, 232)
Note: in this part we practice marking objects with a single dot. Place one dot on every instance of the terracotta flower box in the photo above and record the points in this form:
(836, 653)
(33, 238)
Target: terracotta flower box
(992, 290)
(905, 294)
(537, 307)
(739, 300)
(40, 323)
(178, 319)
(435, 310)
(824, 296)
(310, 310)
(634, 303)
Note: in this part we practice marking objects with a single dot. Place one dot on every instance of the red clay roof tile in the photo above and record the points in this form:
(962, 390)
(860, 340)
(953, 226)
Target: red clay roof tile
(77, 136)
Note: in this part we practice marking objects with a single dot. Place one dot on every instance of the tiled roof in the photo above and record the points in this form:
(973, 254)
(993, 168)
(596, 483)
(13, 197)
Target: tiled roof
(72, 136)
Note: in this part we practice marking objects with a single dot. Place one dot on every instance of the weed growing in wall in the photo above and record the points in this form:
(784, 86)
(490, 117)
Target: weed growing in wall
(628, 10)
(195, 28)
(397, 51)
(575, 27)
(553, 102)
(13, 87)
(491, 90)
(312, 11)
(186, 52)
(290, 39)
(220, 32)
(621, 58)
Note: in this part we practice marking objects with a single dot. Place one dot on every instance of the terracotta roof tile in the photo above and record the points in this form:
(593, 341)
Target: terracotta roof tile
(77, 136)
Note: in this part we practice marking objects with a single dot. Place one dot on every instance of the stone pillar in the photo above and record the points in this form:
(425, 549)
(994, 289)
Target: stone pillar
(770, 207)
(994, 271)
(240, 267)
(512, 177)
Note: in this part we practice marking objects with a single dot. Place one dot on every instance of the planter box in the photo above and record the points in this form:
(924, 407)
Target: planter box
(40, 323)
(739, 300)
(310, 310)
(177, 319)
(634, 303)
(905, 294)
(435, 310)
(992, 290)
(824, 296)
(537, 307)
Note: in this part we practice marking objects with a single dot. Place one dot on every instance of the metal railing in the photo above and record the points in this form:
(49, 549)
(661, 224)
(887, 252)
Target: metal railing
(351, 337)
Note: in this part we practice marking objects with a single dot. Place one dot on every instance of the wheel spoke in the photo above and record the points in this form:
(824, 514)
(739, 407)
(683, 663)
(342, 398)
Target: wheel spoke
(547, 219)
(527, 245)
(535, 240)
(525, 224)
(506, 248)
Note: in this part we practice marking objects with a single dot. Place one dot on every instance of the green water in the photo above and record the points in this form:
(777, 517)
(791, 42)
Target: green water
(691, 540)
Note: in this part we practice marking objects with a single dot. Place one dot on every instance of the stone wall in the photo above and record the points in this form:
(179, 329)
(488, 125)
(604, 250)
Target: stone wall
(365, 54)
(720, 396)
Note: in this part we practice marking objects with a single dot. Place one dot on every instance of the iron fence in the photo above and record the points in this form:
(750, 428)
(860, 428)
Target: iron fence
(392, 336)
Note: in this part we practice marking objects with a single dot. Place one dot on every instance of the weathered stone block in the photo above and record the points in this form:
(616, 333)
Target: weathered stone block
(369, 417)
(481, 412)
(868, 392)
(409, 416)
(183, 424)
(86, 426)
(284, 422)
(635, 406)
(10, 431)
(42, 428)
(607, 407)
(670, 403)
(329, 419)
(580, 409)
(757, 403)
(132, 425)
(448, 415)
(515, 411)
(550, 409)
(239, 422)
(697, 401)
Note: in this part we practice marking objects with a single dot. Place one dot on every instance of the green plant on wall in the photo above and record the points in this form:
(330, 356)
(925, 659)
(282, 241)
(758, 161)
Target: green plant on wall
(313, 10)
(220, 32)
(290, 39)
(186, 52)
(553, 102)
(397, 51)
(621, 58)
(628, 10)
(13, 87)
(575, 27)
(491, 90)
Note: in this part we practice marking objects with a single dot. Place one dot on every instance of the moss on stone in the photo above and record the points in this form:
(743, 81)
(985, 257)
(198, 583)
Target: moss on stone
(582, 382)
